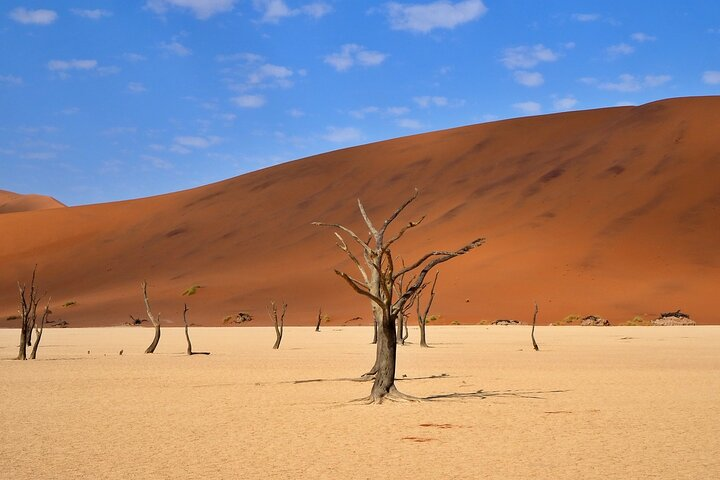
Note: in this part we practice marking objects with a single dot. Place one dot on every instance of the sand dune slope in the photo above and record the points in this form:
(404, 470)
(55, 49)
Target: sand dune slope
(613, 212)
(12, 202)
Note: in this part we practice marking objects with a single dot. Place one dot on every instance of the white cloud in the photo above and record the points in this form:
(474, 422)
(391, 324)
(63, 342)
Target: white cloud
(275, 72)
(529, 79)
(528, 108)
(275, 10)
(96, 14)
(631, 83)
(342, 134)
(296, 113)
(133, 57)
(585, 17)
(428, 101)
(351, 54)
(196, 142)
(426, 17)
(109, 70)
(33, 17)
(409, 123)
(156, 162)
(397, 111)
(620, 49)
(564, 103)
(656, 80)
(642, 37)
(240, 57)
(711, 77)
(363, 112)
(136, 87)
(70, 111)
(227, 117)
(203, 9)
(10, 80)
(527, 56)
(588, 80)
(65, 65)
(317, 9)
(249, 101)
(176, 48)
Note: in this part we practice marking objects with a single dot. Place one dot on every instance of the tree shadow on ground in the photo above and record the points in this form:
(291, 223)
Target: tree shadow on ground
(483, 394)
(363, 379)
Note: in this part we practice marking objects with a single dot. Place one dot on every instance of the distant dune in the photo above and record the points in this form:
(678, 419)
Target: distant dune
(613, 212)
(13, 202)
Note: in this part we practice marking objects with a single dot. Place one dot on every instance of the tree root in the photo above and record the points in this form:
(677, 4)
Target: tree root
(393, 395)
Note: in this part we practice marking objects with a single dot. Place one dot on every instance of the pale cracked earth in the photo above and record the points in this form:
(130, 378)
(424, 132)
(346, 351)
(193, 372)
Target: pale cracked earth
(594, 402)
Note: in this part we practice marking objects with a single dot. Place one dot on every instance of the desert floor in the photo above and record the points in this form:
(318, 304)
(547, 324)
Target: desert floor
(595, 402)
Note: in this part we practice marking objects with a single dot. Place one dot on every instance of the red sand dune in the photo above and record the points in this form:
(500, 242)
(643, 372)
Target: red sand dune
(613, 212)
(13, 202)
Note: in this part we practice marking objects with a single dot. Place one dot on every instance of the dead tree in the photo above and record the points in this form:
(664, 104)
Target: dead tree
(155, 322)
(423, 315)
(28, 314)
(39, 330)
(278, 322)
(532, 332)
(402, 322)
(379, 262)
(187, 334)
(317, 326)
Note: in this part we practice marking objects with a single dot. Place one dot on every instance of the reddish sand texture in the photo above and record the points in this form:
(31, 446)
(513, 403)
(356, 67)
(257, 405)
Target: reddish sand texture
(613, 212)
(13, 202)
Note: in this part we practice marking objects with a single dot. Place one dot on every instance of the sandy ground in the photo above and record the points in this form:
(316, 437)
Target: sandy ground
(618, 402)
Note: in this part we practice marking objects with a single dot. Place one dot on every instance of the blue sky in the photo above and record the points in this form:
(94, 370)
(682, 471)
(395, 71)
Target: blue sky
(107, 100)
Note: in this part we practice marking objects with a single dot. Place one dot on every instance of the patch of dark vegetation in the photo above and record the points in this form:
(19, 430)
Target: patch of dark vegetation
(503, 321)
(595, 321)
(238, 319)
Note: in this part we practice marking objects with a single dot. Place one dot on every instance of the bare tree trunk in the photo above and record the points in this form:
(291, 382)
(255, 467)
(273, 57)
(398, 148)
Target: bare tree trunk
(377, 324)
(399, 326)
(423, 342)
(187, 333)
(189, 350)
(406, 333)
(422, 316)
(317, 327)
(39, 331)
(277, 322)
(28, 312)
(22, 354)
(387, 353)
(155, 322)
(532, 332)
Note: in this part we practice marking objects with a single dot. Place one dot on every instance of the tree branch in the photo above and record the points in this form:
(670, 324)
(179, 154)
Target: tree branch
(368, 222)
(397, 212)
(358, 287)
(433, 263)
(343, 246)
(402, 232)
(346, 230)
